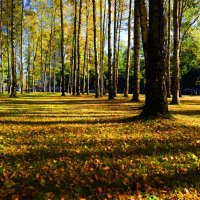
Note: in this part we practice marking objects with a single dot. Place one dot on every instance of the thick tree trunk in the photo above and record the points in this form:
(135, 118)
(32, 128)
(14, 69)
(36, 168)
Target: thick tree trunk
(79, 51)
(156, 94)
(62, 50)
(175, 90)
(126, 89)
(13, 63)
(97, 88)
(136, 81)
(110, 76)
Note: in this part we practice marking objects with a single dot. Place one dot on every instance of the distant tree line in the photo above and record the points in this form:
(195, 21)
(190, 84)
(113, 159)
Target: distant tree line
(77, 46)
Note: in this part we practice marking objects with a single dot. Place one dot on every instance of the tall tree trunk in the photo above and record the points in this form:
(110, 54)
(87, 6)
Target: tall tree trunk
(120, 12)
(126, 89)
(1, 49)
(21, 48)
(28, 65)
(62, 49)
(144, 25)
(86, 47)
(168, 79)
(54, 71)
(97, 88)
(33, 71)
(8, 49)
(41, 56)
(104, 25)
(156, 94)
(45, 72)
(114, 50)
(71, 72)
(88, 72)
(50, 53)
(75, 43)
(13, 63)
(175, 90)
(136, 82)
(110, 76)
(101, 48)
(79, 51)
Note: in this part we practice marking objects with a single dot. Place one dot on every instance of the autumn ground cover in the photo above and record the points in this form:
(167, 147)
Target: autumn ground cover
(54, 147)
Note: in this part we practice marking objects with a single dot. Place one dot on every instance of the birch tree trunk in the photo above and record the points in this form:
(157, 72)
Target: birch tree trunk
(126, 89)
(110, 76)
(75, 51)
(62, 50)
(21, 48)
(168, 79)
(1, 49)
(114, 50)
(176, 25)
(86, 48)
(13, 63)
(144, 20)
(136, 82)
(78, 50)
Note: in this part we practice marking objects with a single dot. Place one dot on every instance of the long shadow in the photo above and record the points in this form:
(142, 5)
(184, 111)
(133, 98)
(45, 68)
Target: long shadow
(142, 147)
(77, 179)
(75, 121)
(186, 112)
(65, 101)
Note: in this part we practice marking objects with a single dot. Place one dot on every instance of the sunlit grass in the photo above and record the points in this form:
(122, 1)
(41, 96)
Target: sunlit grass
(54, 147)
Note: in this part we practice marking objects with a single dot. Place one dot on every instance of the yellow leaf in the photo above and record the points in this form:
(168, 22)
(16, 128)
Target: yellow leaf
(15, 197)
(106, 168)
(109, 196)
(100, 189)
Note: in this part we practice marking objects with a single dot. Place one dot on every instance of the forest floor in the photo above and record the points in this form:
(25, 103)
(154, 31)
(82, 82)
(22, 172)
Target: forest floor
(54, 147)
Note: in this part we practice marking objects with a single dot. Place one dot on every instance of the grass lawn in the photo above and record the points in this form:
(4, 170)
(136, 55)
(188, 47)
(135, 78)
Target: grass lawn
(54, 147)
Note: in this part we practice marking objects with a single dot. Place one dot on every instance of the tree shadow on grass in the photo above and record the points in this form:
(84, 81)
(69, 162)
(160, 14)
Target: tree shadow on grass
(186, 112)
(80, 169)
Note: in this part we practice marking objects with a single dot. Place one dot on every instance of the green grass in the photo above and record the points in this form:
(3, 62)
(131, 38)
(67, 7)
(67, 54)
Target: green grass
(54, 147)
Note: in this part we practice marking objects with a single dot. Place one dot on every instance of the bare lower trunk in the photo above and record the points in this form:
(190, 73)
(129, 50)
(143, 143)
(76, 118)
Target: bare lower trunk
(156, 94)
